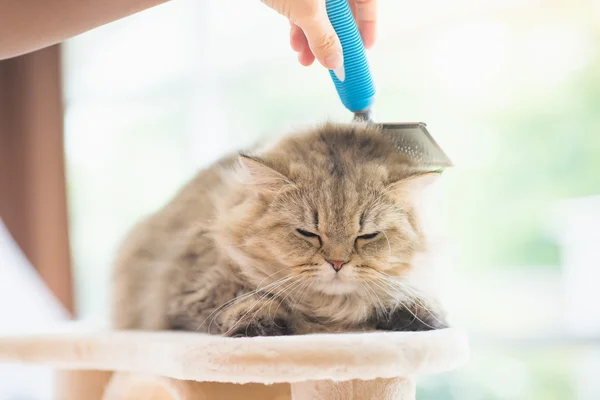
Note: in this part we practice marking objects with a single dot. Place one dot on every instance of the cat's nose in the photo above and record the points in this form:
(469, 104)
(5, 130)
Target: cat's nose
(336, 264)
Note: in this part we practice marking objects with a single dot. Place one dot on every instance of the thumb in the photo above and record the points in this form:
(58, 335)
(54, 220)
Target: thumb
(322, 40)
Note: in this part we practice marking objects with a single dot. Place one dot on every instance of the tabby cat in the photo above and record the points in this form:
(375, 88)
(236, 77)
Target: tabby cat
(317, 233)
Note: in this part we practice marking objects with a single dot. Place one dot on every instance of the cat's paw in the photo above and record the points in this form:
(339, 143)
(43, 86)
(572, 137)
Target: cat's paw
(405, 320)
(262, 327)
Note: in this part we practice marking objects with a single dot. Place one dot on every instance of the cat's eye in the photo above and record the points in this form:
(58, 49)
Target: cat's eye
(368, 236)
(307, 233)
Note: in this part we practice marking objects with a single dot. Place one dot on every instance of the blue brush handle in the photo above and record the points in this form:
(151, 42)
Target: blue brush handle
(357, 92)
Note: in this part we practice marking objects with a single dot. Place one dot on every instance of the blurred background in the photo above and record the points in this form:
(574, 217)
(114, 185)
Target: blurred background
(510, 89)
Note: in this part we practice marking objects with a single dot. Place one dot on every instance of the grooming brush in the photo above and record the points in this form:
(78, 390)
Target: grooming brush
(357, 94)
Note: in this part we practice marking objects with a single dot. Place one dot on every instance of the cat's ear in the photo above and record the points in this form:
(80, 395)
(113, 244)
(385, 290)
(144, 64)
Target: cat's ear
(256, 172)
(412, 187)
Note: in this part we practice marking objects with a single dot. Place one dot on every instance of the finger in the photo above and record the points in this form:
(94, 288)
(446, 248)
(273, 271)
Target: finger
(300, 44)
(297, 38)
(322, 38)
(366, 19)
(306, 57)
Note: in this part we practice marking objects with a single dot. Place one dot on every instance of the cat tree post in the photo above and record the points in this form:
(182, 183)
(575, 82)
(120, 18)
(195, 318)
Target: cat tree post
(133, 387)
(356, 389)
(191, 366)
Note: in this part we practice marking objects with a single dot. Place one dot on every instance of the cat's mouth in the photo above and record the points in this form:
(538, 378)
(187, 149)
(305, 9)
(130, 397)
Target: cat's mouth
(336, 283)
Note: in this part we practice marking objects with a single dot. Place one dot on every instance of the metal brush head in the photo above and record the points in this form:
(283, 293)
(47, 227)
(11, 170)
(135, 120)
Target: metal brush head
(413, 140)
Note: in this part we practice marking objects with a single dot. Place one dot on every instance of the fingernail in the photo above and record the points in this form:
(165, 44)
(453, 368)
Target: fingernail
(335, 62)
(340, 73)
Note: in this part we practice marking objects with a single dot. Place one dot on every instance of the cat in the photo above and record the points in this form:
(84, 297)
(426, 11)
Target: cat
(317, 233)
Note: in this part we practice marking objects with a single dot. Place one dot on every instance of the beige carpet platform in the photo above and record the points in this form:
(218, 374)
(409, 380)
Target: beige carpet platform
(190, 366)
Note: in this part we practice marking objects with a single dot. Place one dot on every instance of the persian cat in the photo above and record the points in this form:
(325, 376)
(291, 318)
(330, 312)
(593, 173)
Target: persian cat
(318, 233)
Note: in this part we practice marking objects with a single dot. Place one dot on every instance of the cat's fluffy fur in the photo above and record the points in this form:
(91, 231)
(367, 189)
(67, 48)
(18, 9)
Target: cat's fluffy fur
(244, 248)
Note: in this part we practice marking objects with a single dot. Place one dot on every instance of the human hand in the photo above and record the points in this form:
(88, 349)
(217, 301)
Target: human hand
(312, 35)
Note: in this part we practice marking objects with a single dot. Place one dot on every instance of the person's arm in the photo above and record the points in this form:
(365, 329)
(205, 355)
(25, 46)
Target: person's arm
(29, 25)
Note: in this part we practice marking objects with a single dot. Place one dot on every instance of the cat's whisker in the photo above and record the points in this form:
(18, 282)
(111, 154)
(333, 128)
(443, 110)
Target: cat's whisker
(392, 261)
(396, 291)
(433, 315)
(415, 296)
(389, 245)
(394, 280)
(399, 287)
(289, 289)
(236, 246)
(399, 294)
(416, 300)
(228, 305)
(416, 318)
(285, 286)
(242, 318)
(290, 295)
(264, 303)
(258, 301)
(387, 291)
(306, 290)
(375, 302)
(236, 300)
(408, 309)
(276, 272)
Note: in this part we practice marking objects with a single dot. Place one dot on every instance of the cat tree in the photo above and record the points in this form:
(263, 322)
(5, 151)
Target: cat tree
(130, 365)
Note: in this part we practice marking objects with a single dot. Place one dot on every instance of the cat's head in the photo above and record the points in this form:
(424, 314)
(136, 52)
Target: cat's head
(330, 211)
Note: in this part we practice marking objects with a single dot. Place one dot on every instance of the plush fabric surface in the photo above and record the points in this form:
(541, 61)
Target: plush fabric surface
(193, 356)
(376, 389)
